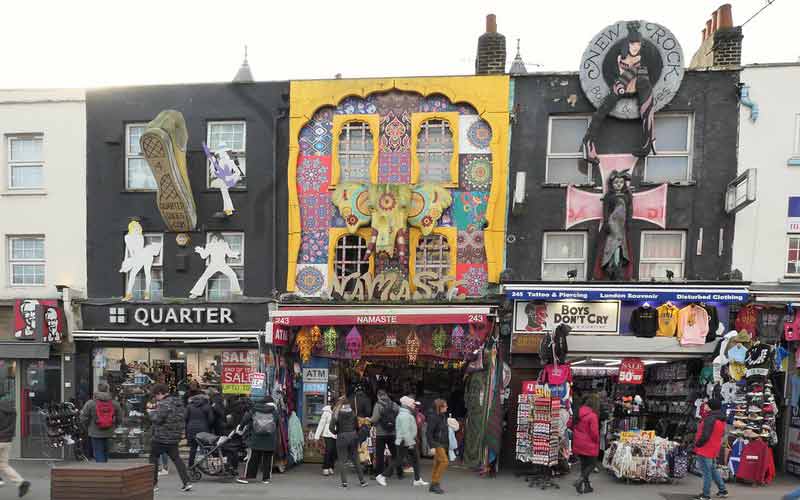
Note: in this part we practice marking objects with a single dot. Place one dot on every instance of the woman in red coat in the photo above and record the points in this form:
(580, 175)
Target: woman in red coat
(707, 444)
(586, 440)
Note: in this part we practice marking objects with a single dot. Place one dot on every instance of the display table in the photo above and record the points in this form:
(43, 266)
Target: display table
(91, 481)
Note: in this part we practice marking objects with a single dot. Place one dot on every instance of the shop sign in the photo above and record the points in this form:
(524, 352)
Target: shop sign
(675, 294)
(583, 317)
(526, 342)
(237, 368)
(285, 318)
(793, 451)
(38, 320)
(528, 386)
(315, 375)
(391, 286)
(174, 317)
(631, 371)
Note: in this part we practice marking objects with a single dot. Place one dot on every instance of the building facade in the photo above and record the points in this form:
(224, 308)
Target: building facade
(43, 197)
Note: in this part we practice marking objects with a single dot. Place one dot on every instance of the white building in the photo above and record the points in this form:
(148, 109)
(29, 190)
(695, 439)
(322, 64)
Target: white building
(767, 241)
(43, 250)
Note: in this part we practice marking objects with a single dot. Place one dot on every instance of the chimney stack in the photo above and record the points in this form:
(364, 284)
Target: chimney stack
(491, 58)
(721, 43)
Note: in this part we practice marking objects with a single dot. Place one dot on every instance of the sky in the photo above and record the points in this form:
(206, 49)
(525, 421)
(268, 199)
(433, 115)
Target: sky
(89, 43)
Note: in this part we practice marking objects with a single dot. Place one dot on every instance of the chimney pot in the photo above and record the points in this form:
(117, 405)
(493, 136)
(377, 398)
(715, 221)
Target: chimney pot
(725, 17)
(491, 23)
(703, 36)
(708, 30)
(714, 21)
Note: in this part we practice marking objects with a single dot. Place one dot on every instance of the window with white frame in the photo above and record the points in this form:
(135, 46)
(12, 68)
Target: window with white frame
(433, 255)
(350, 257)
(355, 152)
(562, 254)
(564, 155)
(25, 162)
(138, 176)
(435, 150)
(673, 161)
(793, 256)
(156, 272)
(219, 285)
(26, 261)
(231, 136)
(662, 251)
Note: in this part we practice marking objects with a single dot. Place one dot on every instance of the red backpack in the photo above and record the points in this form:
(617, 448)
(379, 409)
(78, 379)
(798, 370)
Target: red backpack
(104, 413)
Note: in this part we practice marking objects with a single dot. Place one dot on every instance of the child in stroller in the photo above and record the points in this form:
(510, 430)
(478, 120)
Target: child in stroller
(218, 456)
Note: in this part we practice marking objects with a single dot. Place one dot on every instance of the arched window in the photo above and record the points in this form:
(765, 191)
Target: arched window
(355, 152)
(434, 150)
(350, 258)
(433, 255)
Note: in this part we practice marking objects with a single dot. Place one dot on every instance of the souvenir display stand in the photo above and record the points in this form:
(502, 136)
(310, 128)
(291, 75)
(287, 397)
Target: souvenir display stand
(538, 437)
(645, 457)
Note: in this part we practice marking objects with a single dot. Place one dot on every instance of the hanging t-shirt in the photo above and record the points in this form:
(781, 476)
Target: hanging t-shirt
(667, 320)
(759, 356)
(713, 321)
(692, 325)
(644, 321)
(746, 319)
(737, 352)
(770, 325)
(736, 452)
(556, 375)
(791, 326)
(781, 359)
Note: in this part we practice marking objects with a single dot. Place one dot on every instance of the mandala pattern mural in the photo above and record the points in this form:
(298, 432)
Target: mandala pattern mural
(314, 247)
(356, 106)
(395, 167)
(474, 134)
(311, 279)
(474, 279)
(469, 209)
(316, 211)
(471, 247)
(313, 173)
(316, 136)
(395, 132)
(475, 172)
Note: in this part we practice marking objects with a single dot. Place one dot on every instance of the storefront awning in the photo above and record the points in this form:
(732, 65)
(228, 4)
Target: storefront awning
(625, 345)
(23, 350)
(776, 293)
(378, 315)
(178, 336)
(629, 292)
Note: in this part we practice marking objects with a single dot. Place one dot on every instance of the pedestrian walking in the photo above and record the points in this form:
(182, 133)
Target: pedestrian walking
(439, 439)
(218, 407)
(101, 416)
(168, 424)
(261, 424)
(199, 418)
(344, 424)
(8, 425)
(586, 441)
(405, 443)
(707, 445)
(384, 415)
(323, 431)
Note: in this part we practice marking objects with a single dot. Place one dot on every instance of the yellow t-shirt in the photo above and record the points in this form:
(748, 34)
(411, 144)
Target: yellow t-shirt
(667, 320)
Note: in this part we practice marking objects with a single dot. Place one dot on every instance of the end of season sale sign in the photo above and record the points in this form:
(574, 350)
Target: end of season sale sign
(237, 370)
(631, 371)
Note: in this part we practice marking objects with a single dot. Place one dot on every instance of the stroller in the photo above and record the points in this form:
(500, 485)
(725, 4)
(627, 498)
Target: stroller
(214, 458)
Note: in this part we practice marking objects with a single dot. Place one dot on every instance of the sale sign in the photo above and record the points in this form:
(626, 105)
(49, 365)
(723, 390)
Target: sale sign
(237, 370)
(631, 371)
(528, 386)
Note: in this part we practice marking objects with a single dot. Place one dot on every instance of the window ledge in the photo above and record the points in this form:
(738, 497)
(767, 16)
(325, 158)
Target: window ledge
(138, 191)
(671, 183)
(793, 161)
(24, 192)
(231, 190)
(554, 185)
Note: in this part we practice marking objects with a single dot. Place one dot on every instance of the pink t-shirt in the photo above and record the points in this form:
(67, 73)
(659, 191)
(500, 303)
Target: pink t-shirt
(557, 376)
(692, 325)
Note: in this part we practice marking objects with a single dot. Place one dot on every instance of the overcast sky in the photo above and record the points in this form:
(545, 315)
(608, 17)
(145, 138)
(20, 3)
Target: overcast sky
(88, 43)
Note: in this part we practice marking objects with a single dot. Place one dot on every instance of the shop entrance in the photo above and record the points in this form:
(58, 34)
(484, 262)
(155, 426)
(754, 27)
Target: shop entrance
(41, 388)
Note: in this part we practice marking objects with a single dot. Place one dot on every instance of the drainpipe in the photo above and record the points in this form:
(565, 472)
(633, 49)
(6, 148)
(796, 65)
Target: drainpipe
(744, 98)
(277, 115)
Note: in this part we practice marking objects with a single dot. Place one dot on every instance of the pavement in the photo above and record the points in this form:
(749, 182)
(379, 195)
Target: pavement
(306, 483)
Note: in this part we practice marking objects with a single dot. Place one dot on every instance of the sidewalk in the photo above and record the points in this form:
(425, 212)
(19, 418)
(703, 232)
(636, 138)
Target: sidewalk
(305, 483)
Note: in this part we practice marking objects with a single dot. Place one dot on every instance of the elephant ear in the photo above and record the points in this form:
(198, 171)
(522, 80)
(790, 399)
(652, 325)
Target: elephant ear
(428, 202)
(352, 201)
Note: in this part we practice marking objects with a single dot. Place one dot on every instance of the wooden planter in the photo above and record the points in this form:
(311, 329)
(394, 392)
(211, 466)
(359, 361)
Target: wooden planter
(91, 481)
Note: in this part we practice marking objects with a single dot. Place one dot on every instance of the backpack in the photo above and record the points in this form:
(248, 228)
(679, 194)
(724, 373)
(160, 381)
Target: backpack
(104, 414)
(263, 423)
(388, 416)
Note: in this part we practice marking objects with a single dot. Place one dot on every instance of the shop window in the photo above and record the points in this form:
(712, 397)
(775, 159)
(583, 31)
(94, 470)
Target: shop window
(219, 286)
(673, 163)
(26, 260)
(25, 162)
(435, 151)
(563, 254)
(350, 257)
(232, 136)
(662, 251)
(565, 163)
(157, 271)
(793, 256)
(138, 176)
(433, 255)
(355, 152)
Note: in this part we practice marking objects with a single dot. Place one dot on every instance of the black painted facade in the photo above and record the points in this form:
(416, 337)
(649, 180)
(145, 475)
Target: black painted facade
(710, 96)
(260, 207)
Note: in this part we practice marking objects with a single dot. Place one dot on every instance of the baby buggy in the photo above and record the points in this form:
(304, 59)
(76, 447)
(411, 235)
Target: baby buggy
(217, 456)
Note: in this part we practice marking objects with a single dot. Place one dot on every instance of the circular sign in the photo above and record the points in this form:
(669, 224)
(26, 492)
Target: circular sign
(603, 65)
(182, 239)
